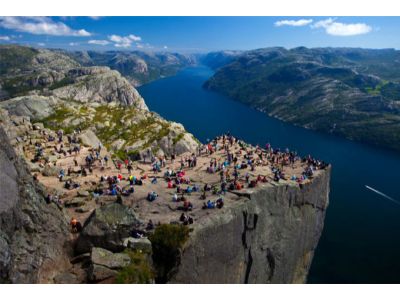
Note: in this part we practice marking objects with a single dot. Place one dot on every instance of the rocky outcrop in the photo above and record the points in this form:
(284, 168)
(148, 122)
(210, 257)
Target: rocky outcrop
(33, 106)
(33, 234)
(106, 228)
(269, 236)
(99, 84)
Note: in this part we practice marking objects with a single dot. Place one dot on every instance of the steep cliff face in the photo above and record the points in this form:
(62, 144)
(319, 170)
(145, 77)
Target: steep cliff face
(269, 236)
(33, 234)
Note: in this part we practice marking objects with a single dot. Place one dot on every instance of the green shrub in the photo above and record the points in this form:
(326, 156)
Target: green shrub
(167, 243)
(138, 271)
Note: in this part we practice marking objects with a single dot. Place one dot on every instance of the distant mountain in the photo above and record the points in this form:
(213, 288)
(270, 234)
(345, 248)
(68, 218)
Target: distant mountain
(350, 92)
(139, 67)
(218, 59)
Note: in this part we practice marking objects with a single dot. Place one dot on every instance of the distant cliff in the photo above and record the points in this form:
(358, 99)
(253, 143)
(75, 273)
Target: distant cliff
(269, 236)
(353, 93)
(138, 66)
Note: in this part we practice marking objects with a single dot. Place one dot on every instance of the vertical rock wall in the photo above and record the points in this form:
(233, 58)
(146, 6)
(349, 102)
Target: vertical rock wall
(268, 236)
(33, 234)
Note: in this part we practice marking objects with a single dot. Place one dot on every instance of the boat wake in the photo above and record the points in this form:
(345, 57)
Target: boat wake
(382, 194)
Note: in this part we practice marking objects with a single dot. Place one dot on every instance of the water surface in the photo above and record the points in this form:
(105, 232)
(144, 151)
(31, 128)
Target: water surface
(360, 242)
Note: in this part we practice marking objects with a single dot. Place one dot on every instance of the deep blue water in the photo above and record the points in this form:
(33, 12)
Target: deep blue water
(360, 242)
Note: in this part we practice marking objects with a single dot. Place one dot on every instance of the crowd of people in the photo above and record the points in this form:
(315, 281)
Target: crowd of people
(237, 166)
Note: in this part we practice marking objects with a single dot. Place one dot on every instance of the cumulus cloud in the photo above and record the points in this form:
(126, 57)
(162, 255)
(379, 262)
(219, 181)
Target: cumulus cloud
(72, 44)
(124, 41)
(296, 23)
(4, 38)
(99, 42)
(135, 38)
(40, 25)
(342, 29)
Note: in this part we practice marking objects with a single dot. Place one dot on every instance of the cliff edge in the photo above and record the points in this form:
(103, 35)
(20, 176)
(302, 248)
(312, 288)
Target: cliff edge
(267, 236)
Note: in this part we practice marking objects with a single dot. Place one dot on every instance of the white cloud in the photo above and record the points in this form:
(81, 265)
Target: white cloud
(124, 41)
(40, 25)
(41, 44)
(99, 42)
(72, 44)
(341, 29)
(4, 38)
(94, 17)
(296, 23)
(165, 47)
(140, 46)
(135, 38)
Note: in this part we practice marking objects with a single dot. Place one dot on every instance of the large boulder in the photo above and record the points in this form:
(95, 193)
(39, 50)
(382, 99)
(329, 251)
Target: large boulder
(89, 138)
(50, 170)
(140, 244)
(108, 259)
(106, 228)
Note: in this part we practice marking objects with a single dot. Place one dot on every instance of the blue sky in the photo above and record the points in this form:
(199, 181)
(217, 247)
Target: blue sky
(199, 34)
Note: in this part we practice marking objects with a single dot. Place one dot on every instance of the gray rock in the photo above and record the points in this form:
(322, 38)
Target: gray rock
(106, 228)
(33, 235)
(52, 158)
(108, 259)
(50, 170)
(83, 193)
(75, 202)
(100, 84)
(142, 244)
(89, 138)
(34, 107)
(99, 273)
(82, 210)
(66, 278)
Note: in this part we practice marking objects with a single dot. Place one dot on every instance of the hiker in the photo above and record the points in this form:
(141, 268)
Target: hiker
(220, 203)
(187, 205)
(129, 167)
(175, 198)
(151, 196)
(76, 226)
(150, 225)
(61, 175)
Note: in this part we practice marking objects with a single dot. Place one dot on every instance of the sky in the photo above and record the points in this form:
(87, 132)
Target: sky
(199, 34)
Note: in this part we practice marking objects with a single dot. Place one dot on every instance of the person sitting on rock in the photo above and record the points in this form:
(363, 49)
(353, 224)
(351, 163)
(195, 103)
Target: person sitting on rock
(187, 205)
(253, 184)
(175, 198)
(154, 180)
(61, 175)
(170, 184)
(183, 217)
(220, 203)
(150, 225)
(151, 196)
(76, 226)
